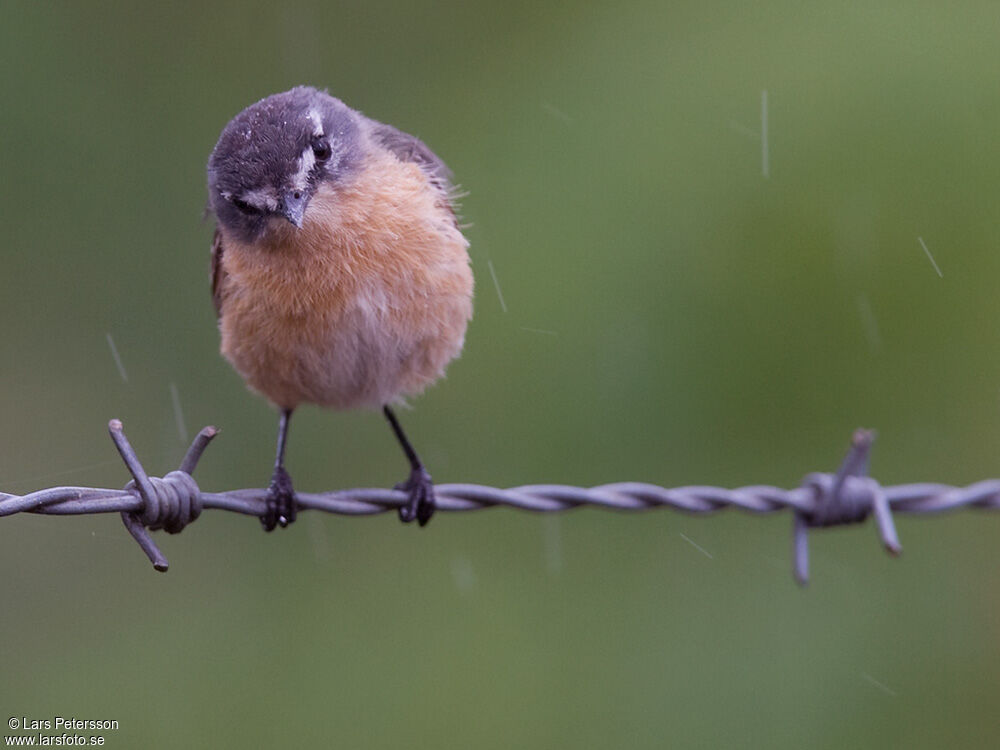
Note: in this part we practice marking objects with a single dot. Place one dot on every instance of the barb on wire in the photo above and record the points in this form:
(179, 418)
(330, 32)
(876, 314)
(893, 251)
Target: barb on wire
(848, 496)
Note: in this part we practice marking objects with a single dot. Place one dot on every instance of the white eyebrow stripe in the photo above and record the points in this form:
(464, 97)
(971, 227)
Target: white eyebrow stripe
(317, 122)
(307, 161)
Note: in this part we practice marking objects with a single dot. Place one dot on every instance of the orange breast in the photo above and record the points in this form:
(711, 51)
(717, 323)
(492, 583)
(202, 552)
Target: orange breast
(365, 304)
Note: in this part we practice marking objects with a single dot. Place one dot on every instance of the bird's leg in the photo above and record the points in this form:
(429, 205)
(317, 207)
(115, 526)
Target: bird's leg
(280, 495)
(419, 487)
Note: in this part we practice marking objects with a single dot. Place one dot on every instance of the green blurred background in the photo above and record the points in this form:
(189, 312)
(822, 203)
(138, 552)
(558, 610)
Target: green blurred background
(672, 316)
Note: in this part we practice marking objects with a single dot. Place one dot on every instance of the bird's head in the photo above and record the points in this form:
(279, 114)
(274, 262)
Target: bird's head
(273, 155)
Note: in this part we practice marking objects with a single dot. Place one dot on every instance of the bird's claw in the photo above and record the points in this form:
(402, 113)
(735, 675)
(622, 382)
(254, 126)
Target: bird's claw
(420, 497)
(280, 501)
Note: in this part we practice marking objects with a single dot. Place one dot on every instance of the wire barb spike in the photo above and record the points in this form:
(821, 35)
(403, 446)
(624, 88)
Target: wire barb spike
(847, 497)
(168, 503)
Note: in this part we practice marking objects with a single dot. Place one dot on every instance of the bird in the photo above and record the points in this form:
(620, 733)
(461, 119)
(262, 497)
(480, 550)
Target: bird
(340, 274)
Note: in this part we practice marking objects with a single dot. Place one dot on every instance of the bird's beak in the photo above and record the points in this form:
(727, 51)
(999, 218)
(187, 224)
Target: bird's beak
(293, 206)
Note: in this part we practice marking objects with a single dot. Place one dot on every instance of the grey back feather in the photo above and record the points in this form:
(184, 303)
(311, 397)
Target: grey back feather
(408, 147)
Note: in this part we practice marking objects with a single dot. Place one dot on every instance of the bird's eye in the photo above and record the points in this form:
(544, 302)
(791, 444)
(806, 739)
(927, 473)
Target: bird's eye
(321, 150)
(246, 208)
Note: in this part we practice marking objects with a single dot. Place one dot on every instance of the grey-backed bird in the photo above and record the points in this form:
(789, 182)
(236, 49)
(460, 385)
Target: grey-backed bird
(339, 273)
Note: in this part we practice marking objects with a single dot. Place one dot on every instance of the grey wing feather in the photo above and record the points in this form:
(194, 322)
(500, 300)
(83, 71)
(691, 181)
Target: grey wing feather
(218, 273)
(408, 147)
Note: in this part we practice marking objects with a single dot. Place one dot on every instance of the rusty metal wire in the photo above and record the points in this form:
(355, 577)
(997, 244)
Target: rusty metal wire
(823, 500)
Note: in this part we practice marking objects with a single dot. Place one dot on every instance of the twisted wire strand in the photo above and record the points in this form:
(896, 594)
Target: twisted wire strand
(922, 497)
(825, 499)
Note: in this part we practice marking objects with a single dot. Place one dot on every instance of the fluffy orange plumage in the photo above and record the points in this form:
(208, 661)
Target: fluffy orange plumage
(365, 304)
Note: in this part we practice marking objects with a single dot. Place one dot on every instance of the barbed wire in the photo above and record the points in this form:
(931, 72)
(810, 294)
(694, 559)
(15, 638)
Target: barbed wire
(848, 496)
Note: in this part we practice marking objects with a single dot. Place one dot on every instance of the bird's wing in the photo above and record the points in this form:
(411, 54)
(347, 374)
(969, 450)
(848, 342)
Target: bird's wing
(408, 147)
(218, 272)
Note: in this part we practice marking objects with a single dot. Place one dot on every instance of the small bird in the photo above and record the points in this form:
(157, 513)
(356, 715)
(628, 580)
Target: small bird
(340, 276)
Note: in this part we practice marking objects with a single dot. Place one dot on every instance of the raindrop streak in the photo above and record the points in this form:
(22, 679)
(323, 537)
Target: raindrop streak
(558, 113)
(929, 256)
(496, 283)
(62, 473)
(697, 546)
(879, 685)
(871, 325)
(118, 359)
(464, 575)
(178, 415)
(765, 157)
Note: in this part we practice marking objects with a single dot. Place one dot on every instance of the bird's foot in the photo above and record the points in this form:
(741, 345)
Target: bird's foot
(419, 506)
(280, 501)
